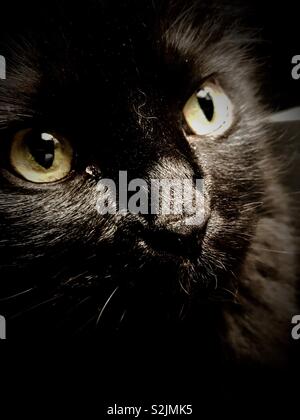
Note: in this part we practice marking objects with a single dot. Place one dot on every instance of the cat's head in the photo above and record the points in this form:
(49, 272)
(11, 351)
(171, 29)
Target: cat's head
(161, 90)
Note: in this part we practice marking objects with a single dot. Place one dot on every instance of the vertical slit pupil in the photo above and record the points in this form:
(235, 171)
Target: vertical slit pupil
(206, 103)
(41, 147)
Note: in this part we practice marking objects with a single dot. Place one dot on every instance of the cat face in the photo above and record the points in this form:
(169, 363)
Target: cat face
(161, 90)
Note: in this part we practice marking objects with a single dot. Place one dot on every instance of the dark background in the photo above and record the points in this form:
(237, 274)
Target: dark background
(279, 28)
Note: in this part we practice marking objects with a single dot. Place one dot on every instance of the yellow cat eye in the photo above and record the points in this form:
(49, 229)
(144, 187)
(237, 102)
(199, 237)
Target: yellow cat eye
(209, 111)
(41, 157)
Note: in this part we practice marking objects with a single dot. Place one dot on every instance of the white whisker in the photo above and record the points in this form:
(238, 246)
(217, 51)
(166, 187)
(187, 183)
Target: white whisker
(105, 305)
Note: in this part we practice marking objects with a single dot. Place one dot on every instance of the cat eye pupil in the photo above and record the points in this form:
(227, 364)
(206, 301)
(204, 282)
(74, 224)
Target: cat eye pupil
(206, 104)
(42, 148)
(40, 157)
(208, 112)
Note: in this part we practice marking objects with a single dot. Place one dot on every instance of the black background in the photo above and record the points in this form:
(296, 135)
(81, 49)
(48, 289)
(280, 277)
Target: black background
(279, 24)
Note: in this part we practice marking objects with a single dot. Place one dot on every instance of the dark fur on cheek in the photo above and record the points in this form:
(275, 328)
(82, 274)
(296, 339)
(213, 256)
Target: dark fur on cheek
(116, 90)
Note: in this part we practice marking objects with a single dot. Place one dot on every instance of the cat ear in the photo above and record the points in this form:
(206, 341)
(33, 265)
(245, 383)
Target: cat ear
(288, 115)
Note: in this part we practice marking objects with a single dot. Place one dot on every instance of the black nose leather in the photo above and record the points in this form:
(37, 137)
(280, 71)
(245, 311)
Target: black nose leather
(175, 234)
(181, 224)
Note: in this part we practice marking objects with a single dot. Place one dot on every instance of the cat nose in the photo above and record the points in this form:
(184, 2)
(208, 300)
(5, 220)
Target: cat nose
(180, 210)
(181, 224)
(177, 235)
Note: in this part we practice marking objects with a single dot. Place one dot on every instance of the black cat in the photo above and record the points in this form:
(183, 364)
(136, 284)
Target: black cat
(162, 90)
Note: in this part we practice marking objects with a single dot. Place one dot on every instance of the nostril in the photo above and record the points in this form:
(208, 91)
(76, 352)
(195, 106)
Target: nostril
(174, 234)
(171, 220)
(180, 224)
